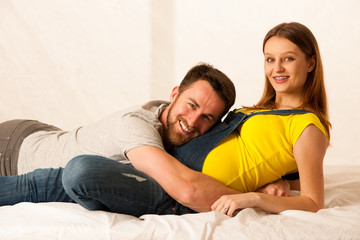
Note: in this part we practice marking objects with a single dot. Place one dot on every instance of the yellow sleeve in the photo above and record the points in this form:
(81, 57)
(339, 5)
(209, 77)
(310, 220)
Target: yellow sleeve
(300, 122)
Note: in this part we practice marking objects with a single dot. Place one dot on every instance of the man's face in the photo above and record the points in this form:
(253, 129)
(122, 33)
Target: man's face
(192, 112)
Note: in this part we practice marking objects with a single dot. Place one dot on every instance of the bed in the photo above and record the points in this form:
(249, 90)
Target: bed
(339, 220)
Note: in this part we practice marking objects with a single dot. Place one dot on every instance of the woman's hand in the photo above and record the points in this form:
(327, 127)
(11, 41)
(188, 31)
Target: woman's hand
(278, 188)
(232, 204)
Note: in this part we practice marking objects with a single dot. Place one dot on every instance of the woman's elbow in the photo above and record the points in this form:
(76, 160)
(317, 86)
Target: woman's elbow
(316, 206)
(319, 207)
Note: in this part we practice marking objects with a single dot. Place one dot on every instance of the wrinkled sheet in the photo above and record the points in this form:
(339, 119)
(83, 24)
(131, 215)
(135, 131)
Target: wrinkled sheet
(339, 220)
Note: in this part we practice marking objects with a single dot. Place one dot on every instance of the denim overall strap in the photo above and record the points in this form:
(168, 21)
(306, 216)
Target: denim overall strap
(277, 112)
(193, 153)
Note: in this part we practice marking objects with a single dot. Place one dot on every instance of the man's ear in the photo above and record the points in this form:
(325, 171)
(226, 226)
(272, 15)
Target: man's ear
(174, 93)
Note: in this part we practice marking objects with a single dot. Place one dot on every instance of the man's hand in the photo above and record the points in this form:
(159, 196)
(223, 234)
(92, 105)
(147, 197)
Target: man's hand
(278, 188)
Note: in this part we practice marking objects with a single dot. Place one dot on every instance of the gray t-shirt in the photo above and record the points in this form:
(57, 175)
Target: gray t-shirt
(110, 137)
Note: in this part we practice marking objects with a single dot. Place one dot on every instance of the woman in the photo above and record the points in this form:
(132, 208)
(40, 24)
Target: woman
(294, 80)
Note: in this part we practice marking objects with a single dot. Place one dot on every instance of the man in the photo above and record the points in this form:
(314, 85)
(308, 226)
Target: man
(140, 135)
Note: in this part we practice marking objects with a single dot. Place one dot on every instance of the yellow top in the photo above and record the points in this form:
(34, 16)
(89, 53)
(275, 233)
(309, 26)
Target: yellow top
(259, 152)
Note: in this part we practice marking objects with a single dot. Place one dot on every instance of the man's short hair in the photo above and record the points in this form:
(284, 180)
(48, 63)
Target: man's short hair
(222, 85)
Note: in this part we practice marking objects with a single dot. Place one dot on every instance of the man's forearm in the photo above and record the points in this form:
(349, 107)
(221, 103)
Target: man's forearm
(203, 191)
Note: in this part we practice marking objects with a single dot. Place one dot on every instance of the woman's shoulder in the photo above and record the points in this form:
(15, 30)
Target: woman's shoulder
(299, 122)
(307, 118)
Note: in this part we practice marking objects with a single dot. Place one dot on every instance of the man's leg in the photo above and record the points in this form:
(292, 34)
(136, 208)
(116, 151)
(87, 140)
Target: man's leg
(41, 185)
(98, 183)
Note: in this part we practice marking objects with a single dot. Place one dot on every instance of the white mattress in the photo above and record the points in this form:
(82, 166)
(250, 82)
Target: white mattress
(339, 220)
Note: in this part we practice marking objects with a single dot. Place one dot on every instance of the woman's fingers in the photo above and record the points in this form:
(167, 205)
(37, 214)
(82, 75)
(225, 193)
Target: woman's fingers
(228, 204)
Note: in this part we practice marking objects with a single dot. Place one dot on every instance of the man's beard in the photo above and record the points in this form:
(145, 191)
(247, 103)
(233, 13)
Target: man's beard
(174, 138)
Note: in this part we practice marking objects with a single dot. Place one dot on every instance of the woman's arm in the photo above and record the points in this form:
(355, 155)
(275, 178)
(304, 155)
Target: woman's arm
(309, 152)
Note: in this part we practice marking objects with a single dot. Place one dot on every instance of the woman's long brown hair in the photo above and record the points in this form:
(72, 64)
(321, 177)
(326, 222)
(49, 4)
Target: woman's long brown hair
(314, 94)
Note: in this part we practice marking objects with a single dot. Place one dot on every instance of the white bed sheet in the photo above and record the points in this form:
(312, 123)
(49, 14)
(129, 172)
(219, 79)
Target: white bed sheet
(339, 220)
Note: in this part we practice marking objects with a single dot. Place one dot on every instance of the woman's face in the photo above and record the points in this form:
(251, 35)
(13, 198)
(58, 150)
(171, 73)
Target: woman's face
(286, 66)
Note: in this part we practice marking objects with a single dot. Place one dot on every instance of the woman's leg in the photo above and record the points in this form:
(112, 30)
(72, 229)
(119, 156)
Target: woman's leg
(41, 185)
(98, 183)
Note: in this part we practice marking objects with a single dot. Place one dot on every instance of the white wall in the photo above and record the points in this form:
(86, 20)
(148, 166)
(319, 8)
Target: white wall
(69, 62)
(72, 61)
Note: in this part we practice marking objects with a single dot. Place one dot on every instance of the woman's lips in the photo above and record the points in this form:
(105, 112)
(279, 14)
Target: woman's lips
(281, 79)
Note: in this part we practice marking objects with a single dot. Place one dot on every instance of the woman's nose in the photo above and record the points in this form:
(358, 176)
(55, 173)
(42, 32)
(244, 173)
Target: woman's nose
(279, 66)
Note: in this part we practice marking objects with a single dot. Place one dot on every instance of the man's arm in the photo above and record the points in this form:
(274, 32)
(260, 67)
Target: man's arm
(190, 188)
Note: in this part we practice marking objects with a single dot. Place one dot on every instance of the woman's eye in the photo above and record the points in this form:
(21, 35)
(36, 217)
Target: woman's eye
(269, 60)
(289, 59)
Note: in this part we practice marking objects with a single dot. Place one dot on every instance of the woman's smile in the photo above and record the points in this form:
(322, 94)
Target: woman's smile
(280, 79)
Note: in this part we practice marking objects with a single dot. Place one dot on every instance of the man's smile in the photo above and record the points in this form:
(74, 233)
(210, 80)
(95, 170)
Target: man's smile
(184, 127)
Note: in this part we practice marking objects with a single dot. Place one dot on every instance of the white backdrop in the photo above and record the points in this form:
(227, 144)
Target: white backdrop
(71, 62)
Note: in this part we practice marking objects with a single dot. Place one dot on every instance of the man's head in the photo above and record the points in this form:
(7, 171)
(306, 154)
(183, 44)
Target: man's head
(202, 98)
(221, 84)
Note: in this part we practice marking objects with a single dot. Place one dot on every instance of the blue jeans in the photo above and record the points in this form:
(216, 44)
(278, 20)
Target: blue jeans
(99, 183)
(96, 183)
(41, 185)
